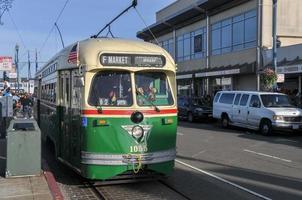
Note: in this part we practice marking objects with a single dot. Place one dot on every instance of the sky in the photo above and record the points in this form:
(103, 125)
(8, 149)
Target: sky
(29, 23)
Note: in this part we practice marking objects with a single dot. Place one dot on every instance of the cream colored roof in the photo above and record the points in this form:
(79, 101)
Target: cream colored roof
(91, 49)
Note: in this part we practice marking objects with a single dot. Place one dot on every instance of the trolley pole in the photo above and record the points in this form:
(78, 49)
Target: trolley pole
(17, 65)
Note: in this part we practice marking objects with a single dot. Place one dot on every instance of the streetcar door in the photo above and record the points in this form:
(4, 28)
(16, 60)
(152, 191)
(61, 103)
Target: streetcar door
(64, 114)
(76, 103)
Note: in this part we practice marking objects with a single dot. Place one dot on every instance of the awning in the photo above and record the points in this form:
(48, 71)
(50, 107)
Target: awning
(196, 12)
(246, 68)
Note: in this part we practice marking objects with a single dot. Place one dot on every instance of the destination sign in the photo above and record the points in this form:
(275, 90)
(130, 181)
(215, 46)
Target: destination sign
(132, 60)
(117, 60)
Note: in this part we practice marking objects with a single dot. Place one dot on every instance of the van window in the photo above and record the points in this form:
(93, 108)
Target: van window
(255, 102)
(217, 97)
(244, 99)
(227, 98)
(236, 102)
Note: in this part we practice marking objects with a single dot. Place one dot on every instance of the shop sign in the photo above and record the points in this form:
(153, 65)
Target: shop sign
(280, 78)
(6, 63)
(218, 73)
(185, 76)
(183, 87)
(226, 81)
(12, 75)
(289, 69)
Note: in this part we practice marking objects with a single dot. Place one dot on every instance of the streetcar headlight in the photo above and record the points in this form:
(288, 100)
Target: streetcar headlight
(137, 131)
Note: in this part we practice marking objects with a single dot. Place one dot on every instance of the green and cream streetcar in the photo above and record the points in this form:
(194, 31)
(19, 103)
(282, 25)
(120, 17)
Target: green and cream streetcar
(109, 107)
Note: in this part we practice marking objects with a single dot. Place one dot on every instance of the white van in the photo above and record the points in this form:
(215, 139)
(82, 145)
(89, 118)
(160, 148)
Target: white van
(263, 111)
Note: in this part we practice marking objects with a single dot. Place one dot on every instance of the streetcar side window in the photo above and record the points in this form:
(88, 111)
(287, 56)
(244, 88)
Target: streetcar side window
(111, 89)
(67, 89)
(61, 91)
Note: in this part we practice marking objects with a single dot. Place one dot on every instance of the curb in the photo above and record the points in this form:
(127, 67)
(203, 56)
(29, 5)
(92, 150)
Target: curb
(51, 181)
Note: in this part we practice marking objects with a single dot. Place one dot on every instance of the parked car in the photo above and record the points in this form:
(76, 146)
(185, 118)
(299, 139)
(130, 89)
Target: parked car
(263, 111)
(193, 108)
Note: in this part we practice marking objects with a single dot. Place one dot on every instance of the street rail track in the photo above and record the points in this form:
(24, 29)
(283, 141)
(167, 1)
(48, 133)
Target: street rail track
(156, 189)
(139, 186)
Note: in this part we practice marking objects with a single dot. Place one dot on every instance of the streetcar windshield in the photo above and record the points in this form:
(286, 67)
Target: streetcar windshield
(111, 89)
(152, 88)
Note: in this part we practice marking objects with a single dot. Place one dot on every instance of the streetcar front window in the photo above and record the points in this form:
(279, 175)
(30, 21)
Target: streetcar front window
(111, 89)
(152, 88)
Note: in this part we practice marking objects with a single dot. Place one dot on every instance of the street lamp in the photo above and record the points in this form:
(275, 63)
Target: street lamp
(17, 67)
(274, 33)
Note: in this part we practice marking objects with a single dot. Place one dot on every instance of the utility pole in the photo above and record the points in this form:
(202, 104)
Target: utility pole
(36, 61)
(28, 77)
(275, 34)
(17, 65)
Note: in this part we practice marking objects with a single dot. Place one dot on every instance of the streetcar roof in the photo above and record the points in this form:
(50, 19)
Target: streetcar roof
(91, 49)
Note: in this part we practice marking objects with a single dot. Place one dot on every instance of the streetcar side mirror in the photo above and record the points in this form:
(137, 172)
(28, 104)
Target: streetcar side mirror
(79, 82)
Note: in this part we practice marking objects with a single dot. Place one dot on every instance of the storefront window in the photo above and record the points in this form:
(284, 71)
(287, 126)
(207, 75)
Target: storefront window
(221, 83)
(184, 87)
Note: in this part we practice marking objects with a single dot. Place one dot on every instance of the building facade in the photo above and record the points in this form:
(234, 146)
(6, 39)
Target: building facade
(221, 45)
(25, 85)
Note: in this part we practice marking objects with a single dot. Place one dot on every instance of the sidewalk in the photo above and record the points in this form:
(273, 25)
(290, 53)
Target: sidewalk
(21, 188)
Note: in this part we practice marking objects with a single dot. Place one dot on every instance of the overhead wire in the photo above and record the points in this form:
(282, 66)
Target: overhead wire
(17, 30)
(141, 17)
(53, 26)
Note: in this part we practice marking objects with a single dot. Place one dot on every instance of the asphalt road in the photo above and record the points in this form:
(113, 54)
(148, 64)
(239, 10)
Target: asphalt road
(217, 163)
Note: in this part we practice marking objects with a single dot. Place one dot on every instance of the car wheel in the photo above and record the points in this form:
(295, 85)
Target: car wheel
(190, 117)
(265, 127)
(225, 121)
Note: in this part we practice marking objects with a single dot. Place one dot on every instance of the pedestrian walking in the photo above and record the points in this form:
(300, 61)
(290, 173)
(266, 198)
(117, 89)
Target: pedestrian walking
(26, 105)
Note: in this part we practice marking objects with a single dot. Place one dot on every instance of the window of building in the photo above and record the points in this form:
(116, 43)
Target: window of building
(191, 45)
(187, 47)
(235, 33)
(180, 48)
(168, 46)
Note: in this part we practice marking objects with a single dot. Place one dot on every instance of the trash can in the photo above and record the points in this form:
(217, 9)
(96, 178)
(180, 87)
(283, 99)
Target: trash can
(23, 148)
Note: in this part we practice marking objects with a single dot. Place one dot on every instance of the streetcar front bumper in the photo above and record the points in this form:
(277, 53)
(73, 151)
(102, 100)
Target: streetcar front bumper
(126, 159)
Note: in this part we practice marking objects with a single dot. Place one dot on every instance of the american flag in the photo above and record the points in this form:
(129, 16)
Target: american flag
(73, 55)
